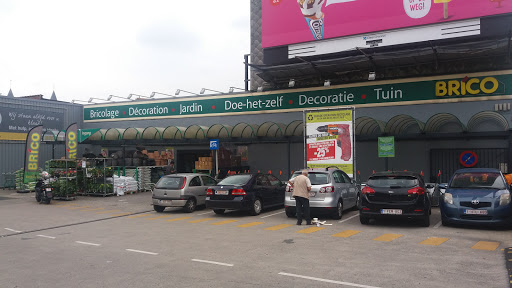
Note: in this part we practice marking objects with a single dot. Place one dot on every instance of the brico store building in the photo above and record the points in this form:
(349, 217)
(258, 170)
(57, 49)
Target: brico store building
(438, 79)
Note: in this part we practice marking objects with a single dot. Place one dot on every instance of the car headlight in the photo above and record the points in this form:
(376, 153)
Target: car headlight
(448, 198)
(505, 199)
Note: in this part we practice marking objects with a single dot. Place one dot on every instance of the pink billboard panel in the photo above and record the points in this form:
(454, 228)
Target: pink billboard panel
(295, 21)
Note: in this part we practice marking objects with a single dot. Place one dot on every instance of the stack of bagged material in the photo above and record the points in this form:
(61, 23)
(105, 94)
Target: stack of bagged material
(123, 185)
(144, 180)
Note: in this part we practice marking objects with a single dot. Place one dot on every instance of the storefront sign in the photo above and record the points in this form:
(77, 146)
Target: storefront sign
(385, 93)
(32, 153)
(288, 22)
(71, 141)
(16, 122)
(330, 139)
(386, 147)
(83, 134)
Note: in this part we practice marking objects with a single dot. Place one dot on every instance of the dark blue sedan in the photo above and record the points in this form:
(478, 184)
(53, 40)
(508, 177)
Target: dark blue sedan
(477, 196)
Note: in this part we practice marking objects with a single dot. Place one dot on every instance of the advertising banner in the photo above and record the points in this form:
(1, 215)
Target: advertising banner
(439, 89)
(16, 122)
(83, 134)
(386, 147)
(32, 154)
(329, 139)
(289, 22)
(71, 141)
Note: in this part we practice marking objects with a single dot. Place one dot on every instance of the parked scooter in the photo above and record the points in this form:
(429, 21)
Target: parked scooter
(43, 189)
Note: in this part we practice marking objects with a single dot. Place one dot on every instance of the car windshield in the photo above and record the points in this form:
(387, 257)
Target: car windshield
(235, 180)
(393, 181)
(491, 180)
(170, 183)
(316, 178)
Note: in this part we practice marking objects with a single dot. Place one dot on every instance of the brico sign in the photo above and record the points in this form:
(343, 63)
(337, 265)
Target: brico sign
(32, 154)
(71, 141)
(471, 86)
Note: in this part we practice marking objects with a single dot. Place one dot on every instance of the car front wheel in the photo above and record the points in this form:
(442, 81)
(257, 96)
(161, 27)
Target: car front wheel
(256, 207)
(190, 206)
(339, 211)
(289, 212)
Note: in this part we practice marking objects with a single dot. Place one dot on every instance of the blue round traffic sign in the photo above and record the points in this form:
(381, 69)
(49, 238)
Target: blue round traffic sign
(468, 159)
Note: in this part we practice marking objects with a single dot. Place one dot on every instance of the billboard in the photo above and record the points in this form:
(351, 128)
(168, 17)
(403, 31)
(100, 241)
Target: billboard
(329, 139)
(289, 22)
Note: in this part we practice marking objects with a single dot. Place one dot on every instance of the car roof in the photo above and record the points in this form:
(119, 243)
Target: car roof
(185, 174)
(469, 170)
(395, 173)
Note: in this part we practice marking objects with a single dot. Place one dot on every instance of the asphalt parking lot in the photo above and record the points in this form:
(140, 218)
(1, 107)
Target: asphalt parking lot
(122, 242)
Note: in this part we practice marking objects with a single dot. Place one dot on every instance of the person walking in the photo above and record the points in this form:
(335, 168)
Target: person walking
(301, 186)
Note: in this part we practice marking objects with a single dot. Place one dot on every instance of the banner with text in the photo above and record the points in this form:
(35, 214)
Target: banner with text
(71, 141)
(32, 146)
(330, 139)
(438, 90)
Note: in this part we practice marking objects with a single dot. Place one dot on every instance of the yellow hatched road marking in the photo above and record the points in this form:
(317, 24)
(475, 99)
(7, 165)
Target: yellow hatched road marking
(178, 219)
(61, 203)
(388, 237)
(160, 217)
(79, 207)
(346, 233)
(485, 245)
(109, 211)
(278, 227)
(200, 220)
(434, 241)
(95, 209)
(224, 222)
(122, 214)
(310, 230)
(250, 224)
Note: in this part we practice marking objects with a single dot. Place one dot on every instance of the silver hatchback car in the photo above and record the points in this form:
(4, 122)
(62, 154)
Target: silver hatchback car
(185, 190)
(332, 192)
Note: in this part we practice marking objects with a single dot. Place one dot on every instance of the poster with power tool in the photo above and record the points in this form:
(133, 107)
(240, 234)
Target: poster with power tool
(329, 139)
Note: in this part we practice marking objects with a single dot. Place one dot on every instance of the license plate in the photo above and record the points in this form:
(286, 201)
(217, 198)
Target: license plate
(391, 211)
(221, 192)
(475, 212)
(48, 189)
(165, 201)
(312, 194)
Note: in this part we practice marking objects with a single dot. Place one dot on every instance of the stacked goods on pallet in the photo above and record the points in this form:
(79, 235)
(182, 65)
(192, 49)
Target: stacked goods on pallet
(144, 177)
(123, 185)
(204, 163)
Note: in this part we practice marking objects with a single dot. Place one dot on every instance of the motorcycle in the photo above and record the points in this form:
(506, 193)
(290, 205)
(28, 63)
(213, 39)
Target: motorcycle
(43, 189)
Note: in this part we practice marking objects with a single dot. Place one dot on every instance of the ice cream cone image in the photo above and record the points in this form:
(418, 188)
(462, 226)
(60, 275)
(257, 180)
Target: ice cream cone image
(312, 11)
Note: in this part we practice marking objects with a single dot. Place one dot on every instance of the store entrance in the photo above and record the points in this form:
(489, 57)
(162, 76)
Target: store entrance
(186, 159)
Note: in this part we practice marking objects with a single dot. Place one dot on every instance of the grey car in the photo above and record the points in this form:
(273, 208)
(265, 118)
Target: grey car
(185, 190)
(331, 193)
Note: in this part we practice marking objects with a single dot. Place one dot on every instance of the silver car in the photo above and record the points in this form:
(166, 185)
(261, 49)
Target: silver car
(332, 192)
(185, 190)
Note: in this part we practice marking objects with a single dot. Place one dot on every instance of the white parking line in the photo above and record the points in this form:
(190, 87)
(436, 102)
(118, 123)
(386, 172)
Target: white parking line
(326, 280)
(143, 252)
(438, 224)
(44, 236)
(12, 230)
(349, 218)
(272, 214)
(213, 262)
(205, 213)
(87, 243)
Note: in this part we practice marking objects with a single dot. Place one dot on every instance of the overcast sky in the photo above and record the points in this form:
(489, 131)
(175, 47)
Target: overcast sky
(96, 48)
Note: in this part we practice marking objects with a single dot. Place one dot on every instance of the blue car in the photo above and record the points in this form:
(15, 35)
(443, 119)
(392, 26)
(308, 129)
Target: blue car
(477, 196)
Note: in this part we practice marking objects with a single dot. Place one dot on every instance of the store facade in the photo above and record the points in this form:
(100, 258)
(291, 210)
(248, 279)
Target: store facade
(433, 119)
